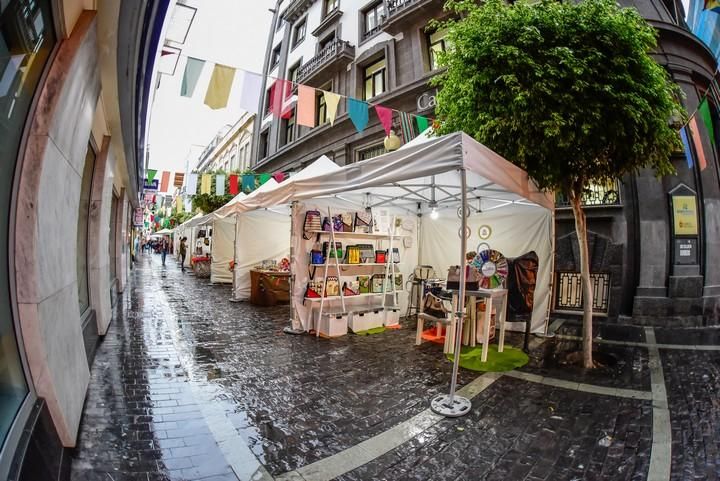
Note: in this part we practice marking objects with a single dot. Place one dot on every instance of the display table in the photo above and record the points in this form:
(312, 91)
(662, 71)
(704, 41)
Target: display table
(268, 288)
(491, 297)
(201, 266)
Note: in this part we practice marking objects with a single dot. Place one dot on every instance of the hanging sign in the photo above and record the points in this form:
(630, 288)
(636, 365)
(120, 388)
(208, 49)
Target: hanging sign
(151, 186)
(138, 217)
(684, 209)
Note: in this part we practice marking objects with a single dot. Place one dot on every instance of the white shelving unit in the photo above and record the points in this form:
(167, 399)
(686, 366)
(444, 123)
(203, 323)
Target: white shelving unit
(391, 269)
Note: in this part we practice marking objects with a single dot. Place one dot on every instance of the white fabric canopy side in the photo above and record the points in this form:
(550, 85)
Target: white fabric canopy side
(223, 244)
(259, 235)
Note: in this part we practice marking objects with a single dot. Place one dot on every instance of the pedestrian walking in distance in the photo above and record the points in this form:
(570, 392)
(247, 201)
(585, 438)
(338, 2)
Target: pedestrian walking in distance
(164, 249)
(183, 252)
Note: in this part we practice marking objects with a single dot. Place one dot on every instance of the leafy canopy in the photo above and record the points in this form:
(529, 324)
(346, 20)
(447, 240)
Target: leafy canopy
(568, 91)
(208, 203)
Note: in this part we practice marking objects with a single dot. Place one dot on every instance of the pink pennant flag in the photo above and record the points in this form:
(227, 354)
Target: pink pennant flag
(279, 176)
(385, 115)
(695, 132)
(306, 106)
(279, 94)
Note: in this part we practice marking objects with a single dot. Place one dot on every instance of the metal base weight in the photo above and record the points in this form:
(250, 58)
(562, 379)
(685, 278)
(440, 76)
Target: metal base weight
(290, 330)
(459, 407)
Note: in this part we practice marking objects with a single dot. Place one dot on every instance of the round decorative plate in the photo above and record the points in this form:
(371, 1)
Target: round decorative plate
(493, 268)
(484, 231)
(408, 224)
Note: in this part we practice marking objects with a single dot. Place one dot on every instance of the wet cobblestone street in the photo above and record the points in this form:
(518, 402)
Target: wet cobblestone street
(189, 386)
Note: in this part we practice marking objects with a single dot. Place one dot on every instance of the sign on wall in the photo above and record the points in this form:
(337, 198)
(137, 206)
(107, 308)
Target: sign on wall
(685, 218)
(151, 186)
(138, 217)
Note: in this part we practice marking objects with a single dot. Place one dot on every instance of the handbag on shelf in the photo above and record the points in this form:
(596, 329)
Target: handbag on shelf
(434, 306)
(312, 223)
(380, 257)
(317, 258)
(367, 253)
(353, 255)
(331, 253)
(351, 288)
(312, 291)
(472, 278)
(376, 282)
(363, 284)
(347, 222)
(363, 222)
(332, 287)
(396, 255)
(333, 223)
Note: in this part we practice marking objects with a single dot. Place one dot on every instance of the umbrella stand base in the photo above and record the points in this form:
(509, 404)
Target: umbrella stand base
(459, 407)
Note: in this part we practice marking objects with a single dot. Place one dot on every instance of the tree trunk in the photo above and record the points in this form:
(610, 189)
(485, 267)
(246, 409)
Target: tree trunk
(587, 292)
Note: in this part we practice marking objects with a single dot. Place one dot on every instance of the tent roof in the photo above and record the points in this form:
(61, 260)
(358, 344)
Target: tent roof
(426, 173)
(164, 232)
(321, 166)
(187, 222)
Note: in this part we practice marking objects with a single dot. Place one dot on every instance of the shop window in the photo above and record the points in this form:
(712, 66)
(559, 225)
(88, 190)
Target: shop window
(374, 79)
(437, 42)
(299, 32)
(370, 152)
(26, 40)
(275, 57)
(372, 18)
(82, 230)
(329, 6)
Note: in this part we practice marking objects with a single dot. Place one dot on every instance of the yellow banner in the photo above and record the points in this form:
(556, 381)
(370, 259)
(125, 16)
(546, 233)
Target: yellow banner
(685, 214)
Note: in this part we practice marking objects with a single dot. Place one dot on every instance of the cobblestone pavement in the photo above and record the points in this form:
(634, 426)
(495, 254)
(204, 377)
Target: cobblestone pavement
(188, 386)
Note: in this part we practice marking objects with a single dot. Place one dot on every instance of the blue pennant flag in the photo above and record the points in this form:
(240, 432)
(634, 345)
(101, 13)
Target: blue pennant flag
(359, 113)
(686, 145)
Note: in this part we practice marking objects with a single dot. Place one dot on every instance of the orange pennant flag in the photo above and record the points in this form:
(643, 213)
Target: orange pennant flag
(695, 132)
(306, 106)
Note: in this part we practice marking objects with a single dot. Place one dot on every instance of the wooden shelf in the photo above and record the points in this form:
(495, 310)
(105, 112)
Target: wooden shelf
(317, 299)
(358, 235)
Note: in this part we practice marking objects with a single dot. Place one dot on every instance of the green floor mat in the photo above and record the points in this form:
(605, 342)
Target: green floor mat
(509, 359)
(374, 330)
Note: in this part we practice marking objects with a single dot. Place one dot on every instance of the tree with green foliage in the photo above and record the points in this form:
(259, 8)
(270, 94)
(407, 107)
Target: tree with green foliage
(208, 203)
(568, 91)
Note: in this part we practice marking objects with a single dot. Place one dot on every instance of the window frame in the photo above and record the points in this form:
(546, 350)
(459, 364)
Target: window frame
(293, 71)
(327, 11)
(373, 146)
(275, 56)
(296, 40)
(381, 71)
(431, 52)
(378, 10)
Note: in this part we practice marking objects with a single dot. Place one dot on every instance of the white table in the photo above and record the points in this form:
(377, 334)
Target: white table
(491, 296)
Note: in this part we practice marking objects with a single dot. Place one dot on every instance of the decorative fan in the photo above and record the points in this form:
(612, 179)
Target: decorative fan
(493, 268)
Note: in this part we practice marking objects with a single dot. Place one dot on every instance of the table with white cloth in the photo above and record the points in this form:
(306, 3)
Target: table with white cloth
(492, 297)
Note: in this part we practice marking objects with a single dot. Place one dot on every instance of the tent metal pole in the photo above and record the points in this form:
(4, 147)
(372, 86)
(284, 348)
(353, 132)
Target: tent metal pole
(293, 329)
(451, 405)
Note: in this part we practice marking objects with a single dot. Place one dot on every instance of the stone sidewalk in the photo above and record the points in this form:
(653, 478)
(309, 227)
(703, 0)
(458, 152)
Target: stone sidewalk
(188, 386)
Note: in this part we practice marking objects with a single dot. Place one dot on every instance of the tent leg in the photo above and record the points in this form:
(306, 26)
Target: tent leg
(292, 328)
(450, 405)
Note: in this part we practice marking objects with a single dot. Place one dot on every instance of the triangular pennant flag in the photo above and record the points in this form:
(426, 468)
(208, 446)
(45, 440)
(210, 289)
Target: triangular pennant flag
(697, 140)
(385, 115)
(407, 126)
(164, 52)
(331, 104)
(251, 90)
(192, 184)
(262, 178)
(306, 106)
(220, 85)
(279, 176)
(193, 69)
(205, 184)
(220, 184)
(686, 146)
(151, 173)
(704, 112)
(423, 123)
(179, 177)
(165, 182)
(359, 113)
(279, 93)
(233, 181)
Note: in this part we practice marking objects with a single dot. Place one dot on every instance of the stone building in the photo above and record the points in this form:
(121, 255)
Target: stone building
(230, 149)
(382, 51)
(74, 81)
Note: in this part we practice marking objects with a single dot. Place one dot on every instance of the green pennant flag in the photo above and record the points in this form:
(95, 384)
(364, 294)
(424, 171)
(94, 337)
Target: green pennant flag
(706, 116)
(423, 123)
(151, 175)
(264, 178)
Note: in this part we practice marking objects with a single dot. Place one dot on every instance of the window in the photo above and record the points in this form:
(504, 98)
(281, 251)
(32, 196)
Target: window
(321, 110)
(275, 57)
(370, 152)
(372, 18)
(437, 43)
(293, 72)
(289, 129)
(279, 25)
(299, 32)
(266, 107)
(263, 145)
(82, 230)
(233, 162)
(374, 79)
(326, 41)
(329, 6)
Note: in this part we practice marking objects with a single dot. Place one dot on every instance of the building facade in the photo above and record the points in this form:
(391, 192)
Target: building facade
(69, 181)
(644, 270)
(230, 150)
(380, 51)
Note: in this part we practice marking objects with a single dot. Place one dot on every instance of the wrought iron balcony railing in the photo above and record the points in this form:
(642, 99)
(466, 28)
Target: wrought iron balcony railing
(334, 50)
(568, 292)
(596, 196)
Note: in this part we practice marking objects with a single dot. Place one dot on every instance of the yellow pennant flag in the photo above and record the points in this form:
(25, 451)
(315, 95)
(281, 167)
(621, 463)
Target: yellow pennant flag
(331, 102)
(205, 184)
(218, 91)
(179, 204)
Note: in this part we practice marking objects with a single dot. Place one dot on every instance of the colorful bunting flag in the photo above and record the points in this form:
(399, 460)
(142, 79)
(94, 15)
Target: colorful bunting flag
(233, 181)
(220, 184)
(713, 5)
(179, 178)
(407, 126)
(331, 104)
(179, 205)
(248, 183)
(706, 116)
(423, 123)
(385, 115)
(192, 184)
(359, 113)
(279, 93)
(695, 134)
(151, 175)
(193, 69)
(306, 106)
(165, 182)
(686, 145)
(279, 176)
(251, 91)
(220, 85)
(262, 178)
(205, 184)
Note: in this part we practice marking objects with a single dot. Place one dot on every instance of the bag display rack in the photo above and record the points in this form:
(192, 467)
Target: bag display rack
(331, 267)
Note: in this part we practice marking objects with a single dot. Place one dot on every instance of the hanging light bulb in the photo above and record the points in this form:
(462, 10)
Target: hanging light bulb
(434, 214)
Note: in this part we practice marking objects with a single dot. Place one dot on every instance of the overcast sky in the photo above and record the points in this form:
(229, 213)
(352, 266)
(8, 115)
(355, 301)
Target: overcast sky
(230, 32)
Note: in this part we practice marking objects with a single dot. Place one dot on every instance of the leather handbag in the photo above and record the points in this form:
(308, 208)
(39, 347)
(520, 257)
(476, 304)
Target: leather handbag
(312, 223)
(332, 287)
(347, 221)
(311, 291)
(434, 306)
(330, 253)
(363, 222)
(472, 278)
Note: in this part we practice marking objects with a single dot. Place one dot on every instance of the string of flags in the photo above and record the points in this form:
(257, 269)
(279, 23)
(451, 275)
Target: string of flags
(236, 182)
(690, 131)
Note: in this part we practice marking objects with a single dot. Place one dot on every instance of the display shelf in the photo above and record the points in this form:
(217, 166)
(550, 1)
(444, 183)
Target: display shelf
(383, 264)
(371, 294)
(357, 235)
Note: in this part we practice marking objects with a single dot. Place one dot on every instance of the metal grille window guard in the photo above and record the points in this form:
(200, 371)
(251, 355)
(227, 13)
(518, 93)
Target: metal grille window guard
(568, 292)
(325, 55)
(596, 195)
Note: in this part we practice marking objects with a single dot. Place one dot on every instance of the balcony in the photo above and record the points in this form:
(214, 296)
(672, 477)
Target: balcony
(403, 13)
(326, 63)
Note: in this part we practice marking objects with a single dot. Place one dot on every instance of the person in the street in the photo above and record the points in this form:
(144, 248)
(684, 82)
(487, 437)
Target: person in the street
(164, 247)
(183, 252)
